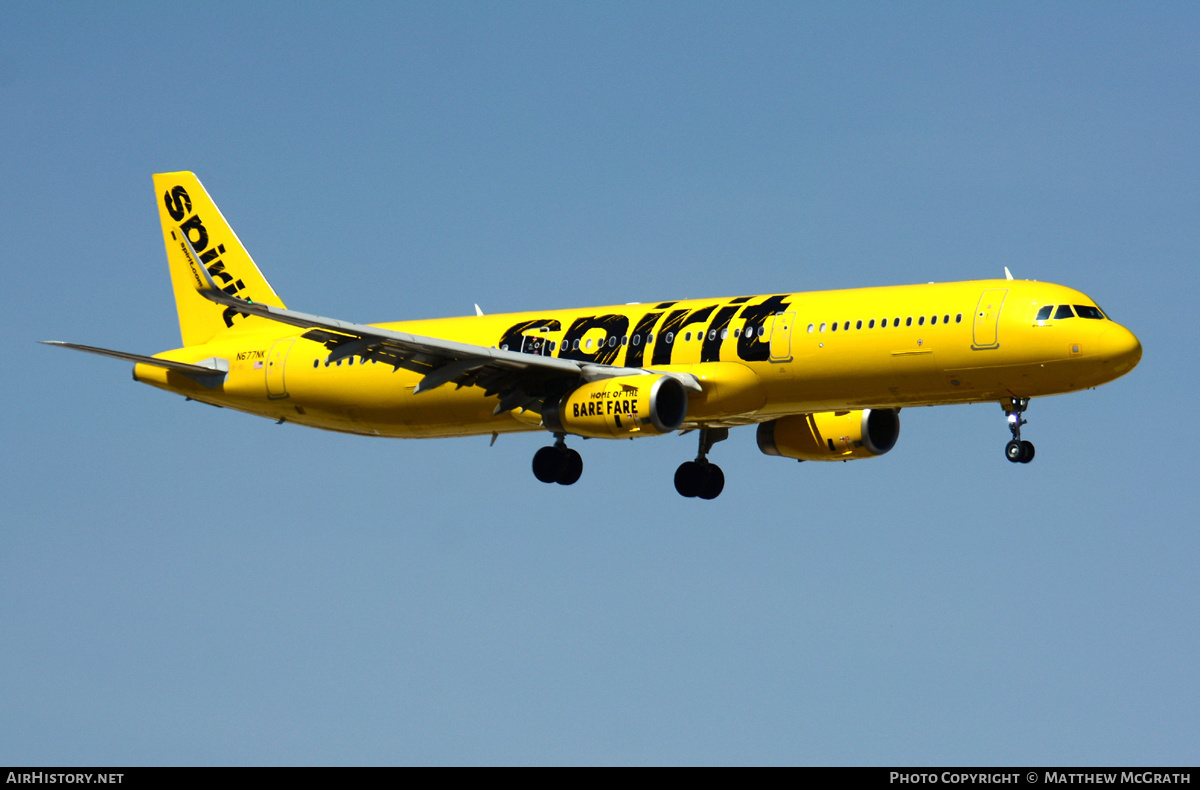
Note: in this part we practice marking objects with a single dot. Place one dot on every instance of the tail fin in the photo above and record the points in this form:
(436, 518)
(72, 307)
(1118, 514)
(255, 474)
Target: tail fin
(185, 208)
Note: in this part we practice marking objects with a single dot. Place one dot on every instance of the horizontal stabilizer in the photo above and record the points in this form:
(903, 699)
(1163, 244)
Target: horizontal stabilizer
(208, 376)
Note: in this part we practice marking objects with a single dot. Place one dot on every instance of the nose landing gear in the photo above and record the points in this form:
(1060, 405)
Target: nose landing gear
(1017, 451)
(702, 478)
(558, 464)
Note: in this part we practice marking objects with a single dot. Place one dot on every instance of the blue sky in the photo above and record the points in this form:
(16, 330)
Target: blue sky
(184, 585)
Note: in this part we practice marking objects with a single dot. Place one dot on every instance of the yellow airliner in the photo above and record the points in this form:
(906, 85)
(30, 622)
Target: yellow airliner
(823, 374)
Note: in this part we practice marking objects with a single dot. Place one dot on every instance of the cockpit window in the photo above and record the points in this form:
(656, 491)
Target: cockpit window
(1087, 311)
(1045, 312)
(1064, 311)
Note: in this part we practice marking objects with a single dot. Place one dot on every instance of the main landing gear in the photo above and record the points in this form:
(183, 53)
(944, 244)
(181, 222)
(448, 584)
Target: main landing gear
(558, 464)
(701, 477)
(1017, 451)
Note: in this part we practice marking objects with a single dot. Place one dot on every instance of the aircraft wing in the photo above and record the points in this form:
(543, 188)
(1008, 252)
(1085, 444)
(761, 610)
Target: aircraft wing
(521, 380)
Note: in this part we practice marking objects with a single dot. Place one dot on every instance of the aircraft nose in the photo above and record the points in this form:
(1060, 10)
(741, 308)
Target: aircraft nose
(1120, 348)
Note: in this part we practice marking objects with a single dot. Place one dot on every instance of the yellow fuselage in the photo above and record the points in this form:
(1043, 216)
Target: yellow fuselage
(756, 357)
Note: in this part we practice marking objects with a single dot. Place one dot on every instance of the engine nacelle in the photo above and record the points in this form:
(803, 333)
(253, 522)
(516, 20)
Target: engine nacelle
(620, 408)
(831, 435)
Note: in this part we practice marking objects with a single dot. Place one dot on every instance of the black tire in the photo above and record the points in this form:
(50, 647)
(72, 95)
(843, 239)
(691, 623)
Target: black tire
(714, 482)
(547, 464)
(1026, 452)
(688, 479)
(572, 468)
(1013, 451)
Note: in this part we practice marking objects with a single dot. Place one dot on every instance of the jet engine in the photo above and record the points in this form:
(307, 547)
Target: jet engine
(619, 408)
(831, 435)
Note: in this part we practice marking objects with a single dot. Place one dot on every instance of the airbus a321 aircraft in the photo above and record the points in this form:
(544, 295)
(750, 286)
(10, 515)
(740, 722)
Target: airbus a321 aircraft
(822, 375)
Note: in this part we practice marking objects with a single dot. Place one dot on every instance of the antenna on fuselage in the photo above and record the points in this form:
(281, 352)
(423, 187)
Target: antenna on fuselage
(1007, 276)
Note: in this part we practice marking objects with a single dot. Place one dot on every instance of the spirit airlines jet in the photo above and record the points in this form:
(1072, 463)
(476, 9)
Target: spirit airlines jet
(822, 375)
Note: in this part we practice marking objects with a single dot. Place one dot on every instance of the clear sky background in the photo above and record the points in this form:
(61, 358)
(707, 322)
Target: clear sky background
(186, 585)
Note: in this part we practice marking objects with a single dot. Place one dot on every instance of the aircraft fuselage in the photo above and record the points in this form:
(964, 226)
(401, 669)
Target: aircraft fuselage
(766, 356)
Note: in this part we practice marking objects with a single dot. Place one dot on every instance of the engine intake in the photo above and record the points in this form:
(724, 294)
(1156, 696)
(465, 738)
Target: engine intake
(831, 435)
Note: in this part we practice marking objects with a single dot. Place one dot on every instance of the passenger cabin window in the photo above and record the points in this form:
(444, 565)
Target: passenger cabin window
(1086, 311)
(1064, 311)
(1044, 313)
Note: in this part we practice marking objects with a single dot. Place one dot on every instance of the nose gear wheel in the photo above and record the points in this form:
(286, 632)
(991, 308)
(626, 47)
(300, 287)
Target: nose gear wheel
(1017, 450)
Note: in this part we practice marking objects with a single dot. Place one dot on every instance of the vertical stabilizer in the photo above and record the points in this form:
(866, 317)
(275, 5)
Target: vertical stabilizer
(185, 208)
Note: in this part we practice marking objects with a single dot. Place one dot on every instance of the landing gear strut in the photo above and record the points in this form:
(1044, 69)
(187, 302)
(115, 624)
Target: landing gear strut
(558, 464)
(1017, 451)
(701, 477)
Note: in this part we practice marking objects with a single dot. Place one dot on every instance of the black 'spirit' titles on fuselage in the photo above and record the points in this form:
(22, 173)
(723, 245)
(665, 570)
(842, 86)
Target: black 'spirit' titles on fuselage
(662, 349)
(179, 204)
(751, 345)
(614, 326)
(674, 324)
(516, 339)
(637, 351)
(711, 350)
